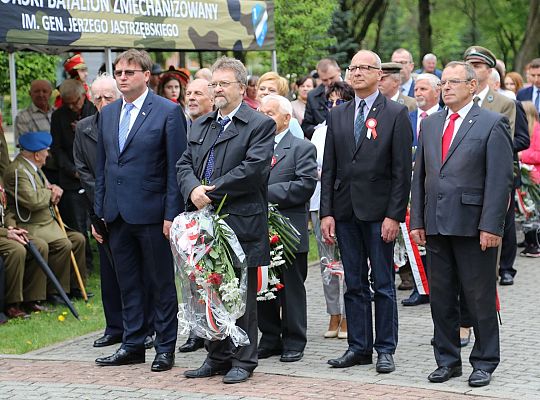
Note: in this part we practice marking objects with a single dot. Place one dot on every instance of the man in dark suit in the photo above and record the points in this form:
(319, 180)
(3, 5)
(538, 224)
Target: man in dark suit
(532, 93)
(316, 110)
(404, 57)
(460, 194)
(291, 184)
(365, 187)
(140, 139)
(231, 149)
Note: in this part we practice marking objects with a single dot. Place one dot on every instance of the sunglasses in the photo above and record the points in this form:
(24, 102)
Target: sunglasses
(330, 103)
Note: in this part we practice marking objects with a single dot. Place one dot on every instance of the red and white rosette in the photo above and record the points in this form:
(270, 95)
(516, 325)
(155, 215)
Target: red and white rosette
(273, 162)
(371, 124)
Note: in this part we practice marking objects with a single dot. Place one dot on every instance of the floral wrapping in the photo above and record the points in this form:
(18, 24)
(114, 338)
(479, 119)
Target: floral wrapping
(330, 260)
(211, 276)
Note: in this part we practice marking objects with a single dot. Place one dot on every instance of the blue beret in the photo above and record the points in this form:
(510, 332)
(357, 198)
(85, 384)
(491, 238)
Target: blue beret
(35, 141)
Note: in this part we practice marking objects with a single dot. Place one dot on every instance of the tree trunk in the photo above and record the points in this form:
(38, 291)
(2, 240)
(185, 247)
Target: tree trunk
(530, 47)
(424, 27)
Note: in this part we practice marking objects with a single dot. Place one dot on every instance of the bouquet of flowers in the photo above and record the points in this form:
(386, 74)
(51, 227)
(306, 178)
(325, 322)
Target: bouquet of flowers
(211, 274)
(528, 195)
(330, 260)
(284, 240)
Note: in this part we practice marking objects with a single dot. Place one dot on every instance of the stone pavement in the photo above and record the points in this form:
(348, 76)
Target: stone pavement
(67, 370)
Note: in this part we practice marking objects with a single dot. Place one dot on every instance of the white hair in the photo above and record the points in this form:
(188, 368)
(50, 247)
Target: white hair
(285, 106)
(430, 56)
(495, 76)
(432, 79)
(106, 78)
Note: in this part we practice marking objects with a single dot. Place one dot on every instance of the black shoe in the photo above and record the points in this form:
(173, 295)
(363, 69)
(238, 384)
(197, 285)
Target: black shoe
(148, 342)
(531, 251)
(465, 340)
(163, 362)
(122, 357)
(237, 375)
(107, 340)
(479, 378)
(415, 299)
(442, 374)
(76, 294)
(291, 356)
(263, 353)
(205, 371)
(385, 363)
(192, 344)
(506, 279)
(55, 300)
(349, 359)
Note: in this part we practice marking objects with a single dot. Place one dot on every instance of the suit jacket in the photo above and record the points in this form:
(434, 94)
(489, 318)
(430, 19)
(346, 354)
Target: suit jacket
(407, 101)
(499, 103)
(469, 191)
(139, 183)
(413, 116)
(292, 182)
(525, 94)
(411, 90)
(243, 155)
(316, 110)
(84, 153)
(370, 180)
(63, 135)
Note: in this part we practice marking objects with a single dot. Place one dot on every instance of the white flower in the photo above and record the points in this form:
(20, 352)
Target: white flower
(273, 280)
(269, 296)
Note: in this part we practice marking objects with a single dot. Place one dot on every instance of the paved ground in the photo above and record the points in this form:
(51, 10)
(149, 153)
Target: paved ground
(67, 371)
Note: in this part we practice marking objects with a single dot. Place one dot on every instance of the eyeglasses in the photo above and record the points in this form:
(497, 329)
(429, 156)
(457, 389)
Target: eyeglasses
(128, 72)
(223, 84)
(452, 82)
(334, 103)
(402, 62)
(103, 98)
(364, 68)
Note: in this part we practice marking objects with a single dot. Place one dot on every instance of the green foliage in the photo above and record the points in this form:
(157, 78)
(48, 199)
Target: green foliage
(302, 34)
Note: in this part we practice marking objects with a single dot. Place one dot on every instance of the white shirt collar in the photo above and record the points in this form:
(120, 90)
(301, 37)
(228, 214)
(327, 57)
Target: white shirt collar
(429, 111)
(138, 102)
(369, 100)
(482, 95)
(406, 87)
(280, 136)
(231, 114)
(463, 112)
(395, 97)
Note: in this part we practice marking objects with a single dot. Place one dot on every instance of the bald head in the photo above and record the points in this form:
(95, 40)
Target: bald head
(199, 98)
(404, 57)
(40, 93)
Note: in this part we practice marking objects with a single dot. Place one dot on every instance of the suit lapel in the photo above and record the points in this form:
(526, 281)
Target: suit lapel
(466, 125)
(377, 106)
(143, 113)
(280, 151)
(117, 114)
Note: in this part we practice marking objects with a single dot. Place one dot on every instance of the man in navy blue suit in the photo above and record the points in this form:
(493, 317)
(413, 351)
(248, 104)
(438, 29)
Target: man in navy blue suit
(141, 136)
(532, 93)
(404, 57)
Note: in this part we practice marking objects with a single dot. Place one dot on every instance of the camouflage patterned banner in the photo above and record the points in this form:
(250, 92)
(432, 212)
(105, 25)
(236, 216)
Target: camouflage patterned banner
(150, 24)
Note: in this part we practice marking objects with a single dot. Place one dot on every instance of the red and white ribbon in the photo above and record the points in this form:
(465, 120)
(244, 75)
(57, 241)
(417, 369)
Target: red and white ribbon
(417, 266)
(262, 278)
(371, 124)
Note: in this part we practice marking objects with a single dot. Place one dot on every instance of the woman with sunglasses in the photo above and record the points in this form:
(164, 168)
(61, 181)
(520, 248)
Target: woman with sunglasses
(338, 93)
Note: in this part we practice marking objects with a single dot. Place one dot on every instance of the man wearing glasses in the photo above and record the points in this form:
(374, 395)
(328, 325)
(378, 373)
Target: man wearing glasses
(460, 194)
(230, 150)
(404, 57)
(365, 187)
(140, 138)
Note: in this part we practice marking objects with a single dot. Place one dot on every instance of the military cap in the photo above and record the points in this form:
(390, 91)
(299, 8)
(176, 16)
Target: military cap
(391, 68)
(480, 54)
(74, 63)
(156, 69)
(35, 141)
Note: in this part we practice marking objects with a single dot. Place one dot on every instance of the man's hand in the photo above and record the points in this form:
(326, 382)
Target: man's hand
(389, 229)
(96, 235)
(18, 235)
(56, 194)
(489, 240)
(167, 228)
(198, 196)
(328, 229)
(419, 236)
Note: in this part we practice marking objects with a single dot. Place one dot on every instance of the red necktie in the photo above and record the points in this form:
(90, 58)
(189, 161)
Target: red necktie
(448, 134)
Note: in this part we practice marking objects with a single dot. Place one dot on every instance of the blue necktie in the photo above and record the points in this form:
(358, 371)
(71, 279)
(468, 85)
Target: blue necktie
(359, 121)
(123, 129)
(211, 157)
(537, 101)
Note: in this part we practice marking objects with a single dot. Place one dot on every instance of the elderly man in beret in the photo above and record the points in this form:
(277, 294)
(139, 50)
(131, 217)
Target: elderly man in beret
(30, 198)
(389, 85)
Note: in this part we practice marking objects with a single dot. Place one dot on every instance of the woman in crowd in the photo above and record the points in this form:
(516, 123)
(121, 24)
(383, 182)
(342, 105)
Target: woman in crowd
(513, 81)
(272, 83)
(172, 85)
(250, 98)
(338, 93)
(305, 85)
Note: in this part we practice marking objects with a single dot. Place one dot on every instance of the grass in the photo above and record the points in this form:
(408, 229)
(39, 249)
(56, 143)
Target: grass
(44, 329)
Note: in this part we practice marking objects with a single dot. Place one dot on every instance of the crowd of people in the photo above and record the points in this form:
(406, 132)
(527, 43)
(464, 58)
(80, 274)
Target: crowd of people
(352, 155)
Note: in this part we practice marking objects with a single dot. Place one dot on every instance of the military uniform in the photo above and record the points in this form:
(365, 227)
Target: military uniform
(28, 199)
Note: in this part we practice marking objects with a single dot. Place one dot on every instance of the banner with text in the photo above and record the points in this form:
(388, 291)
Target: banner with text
(151, 24)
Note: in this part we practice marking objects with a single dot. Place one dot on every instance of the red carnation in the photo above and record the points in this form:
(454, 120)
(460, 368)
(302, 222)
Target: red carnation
(215, 279)
(279, 286)
(274, 239)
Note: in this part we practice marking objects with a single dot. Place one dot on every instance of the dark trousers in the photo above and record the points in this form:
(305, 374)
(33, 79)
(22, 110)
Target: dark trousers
(358, 241)
(2, 285)
(142, 256)
(222, 353)
(509, 240)
(283, 320)
(455, 263)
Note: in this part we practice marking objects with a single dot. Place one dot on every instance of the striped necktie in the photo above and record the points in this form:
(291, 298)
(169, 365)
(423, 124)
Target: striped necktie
(123, 129)
(212, 157)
